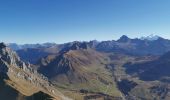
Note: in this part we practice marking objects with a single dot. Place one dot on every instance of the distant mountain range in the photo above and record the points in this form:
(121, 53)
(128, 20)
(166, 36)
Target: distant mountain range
(16, 46)
(151, 45)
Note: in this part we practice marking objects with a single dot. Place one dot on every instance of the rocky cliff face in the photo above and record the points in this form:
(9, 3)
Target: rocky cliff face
(22, 77)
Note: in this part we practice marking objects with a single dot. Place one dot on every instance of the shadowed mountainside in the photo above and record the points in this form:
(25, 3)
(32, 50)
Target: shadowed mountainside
(152, 70)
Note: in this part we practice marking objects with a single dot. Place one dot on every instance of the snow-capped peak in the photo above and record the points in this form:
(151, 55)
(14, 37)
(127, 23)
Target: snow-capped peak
(151, 37)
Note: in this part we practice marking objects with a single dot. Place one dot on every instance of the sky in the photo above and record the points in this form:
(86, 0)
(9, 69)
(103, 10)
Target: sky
(59, 21)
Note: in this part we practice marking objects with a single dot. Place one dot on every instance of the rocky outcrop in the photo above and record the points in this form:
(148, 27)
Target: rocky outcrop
(21, 74)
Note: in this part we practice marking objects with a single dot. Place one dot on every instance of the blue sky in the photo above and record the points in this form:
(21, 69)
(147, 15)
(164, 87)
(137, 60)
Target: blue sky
(38, 21)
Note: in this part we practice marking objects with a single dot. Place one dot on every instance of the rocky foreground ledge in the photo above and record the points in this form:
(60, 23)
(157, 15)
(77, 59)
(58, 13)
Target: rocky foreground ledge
(22, 77)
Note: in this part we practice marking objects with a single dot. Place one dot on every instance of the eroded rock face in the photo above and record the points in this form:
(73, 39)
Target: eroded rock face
(19, 71)
(9, 61)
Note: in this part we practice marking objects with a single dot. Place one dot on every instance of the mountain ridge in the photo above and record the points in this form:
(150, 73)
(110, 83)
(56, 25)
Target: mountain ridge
(124, 45)
(19, 75)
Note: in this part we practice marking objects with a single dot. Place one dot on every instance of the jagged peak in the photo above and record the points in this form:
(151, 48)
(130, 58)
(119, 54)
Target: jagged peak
(2, 45)
(76, 46)
(7, 53)
(79, 45)
(123, 38)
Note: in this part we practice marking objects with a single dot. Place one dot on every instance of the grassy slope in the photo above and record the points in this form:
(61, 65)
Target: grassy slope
(97, 70)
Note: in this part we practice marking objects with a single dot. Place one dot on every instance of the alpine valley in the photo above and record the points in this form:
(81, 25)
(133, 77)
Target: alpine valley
(123, 69)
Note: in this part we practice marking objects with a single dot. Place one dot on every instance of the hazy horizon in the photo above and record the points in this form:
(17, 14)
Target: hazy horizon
(61, 21)
(151, 35)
